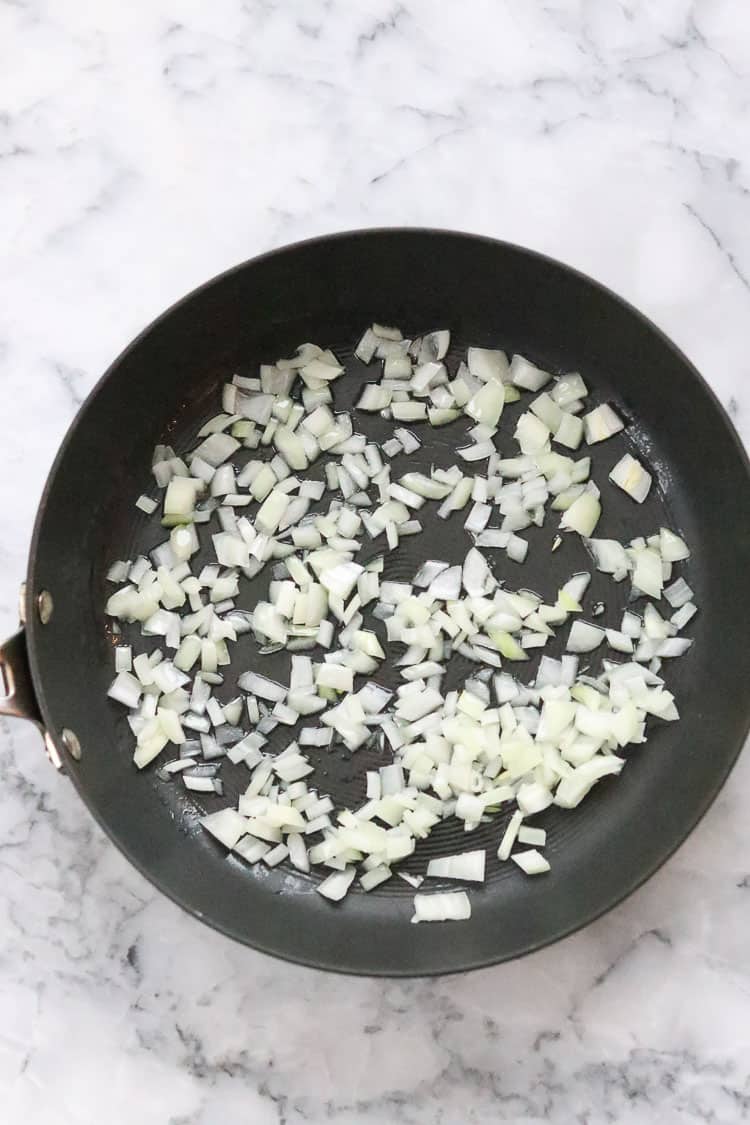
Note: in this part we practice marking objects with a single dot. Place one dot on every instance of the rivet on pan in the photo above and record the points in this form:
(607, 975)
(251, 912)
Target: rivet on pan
(45, 605)
(71, 743)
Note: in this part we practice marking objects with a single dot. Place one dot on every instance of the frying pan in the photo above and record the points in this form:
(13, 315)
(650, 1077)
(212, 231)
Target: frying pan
(328, 290)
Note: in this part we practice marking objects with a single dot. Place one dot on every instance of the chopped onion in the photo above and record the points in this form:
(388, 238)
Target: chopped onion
(262, 686)
(462, 752)
(630, 475)
(601, 423)
(569, 431)
(584, 637)
(509, 836)
(610, 557)
(531, 862)
(568, 390)
(337, 884)
(671, 547)
(453, 906)
(524, 374)
(226, 825)
(537, 837)
(647, 572)
(467, 866)
(582, 515)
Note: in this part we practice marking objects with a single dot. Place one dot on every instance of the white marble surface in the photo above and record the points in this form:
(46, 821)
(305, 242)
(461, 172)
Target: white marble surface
(145, 147)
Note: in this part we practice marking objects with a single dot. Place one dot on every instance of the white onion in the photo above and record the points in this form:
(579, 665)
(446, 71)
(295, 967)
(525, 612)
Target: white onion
(582, 515)
(374, 398)
(610, 557)
(647, 572)
(619, 641)
(537, 837)
(678, 594)
(671, 547)
(568, 389)
(531, 434)
(569, 431)
(630, 475)
(468, 866)
(524, 374)
(683, 615)
(509, 836)
(126, 689)
(337, 884)
(486, 365)
(584, 637)
(487, 404)
(601, 423)
(226, 825)
(673, 646)
(454, 906)
(262, 687)
(463, 752)
(531, 862)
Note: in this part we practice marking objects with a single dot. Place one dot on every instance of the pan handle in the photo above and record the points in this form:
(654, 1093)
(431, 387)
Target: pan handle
(17, 695)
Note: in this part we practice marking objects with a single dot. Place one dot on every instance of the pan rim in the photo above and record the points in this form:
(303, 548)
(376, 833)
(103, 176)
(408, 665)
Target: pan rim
(35, 636)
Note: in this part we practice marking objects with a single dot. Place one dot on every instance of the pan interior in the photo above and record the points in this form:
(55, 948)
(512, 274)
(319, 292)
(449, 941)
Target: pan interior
(166, 385)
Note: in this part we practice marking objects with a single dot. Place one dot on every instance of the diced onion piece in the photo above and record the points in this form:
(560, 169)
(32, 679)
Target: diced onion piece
(517, 548)
(537, 837)
(487, 365)
(409, 411)
(573, 788)
(683, 615)
(673, 646)
(509, 836)
(678, 594)
(227, 826)
(610, 557)
(582, 515)
(487, 404)
(271, 512)
(126, 689)
(334, 677)
(570, 431)
(531, 434)
(619, 641)
(146, 504)
(374, 397)
(262, 687)
(454, 906)
(630, 475)
(647, 572)
(216, 449)
(569, 389)
(179, 500)
(467, 866)
(584, 637)
(671, 547)
(531, 862)
(601, 423)
(337, 884)
(526, 375)
(365, 349)
(374, 877)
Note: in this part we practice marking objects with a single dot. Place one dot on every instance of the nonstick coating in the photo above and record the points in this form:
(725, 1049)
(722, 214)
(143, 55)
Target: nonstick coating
(488, 293)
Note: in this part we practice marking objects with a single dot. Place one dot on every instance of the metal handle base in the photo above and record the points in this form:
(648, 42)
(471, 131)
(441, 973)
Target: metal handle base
(17, 695)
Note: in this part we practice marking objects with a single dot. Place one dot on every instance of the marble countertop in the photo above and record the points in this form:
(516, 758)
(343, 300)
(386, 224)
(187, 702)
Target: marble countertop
(144, 148)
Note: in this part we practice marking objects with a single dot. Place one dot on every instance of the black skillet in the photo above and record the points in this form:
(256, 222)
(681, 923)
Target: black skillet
(327, 290)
